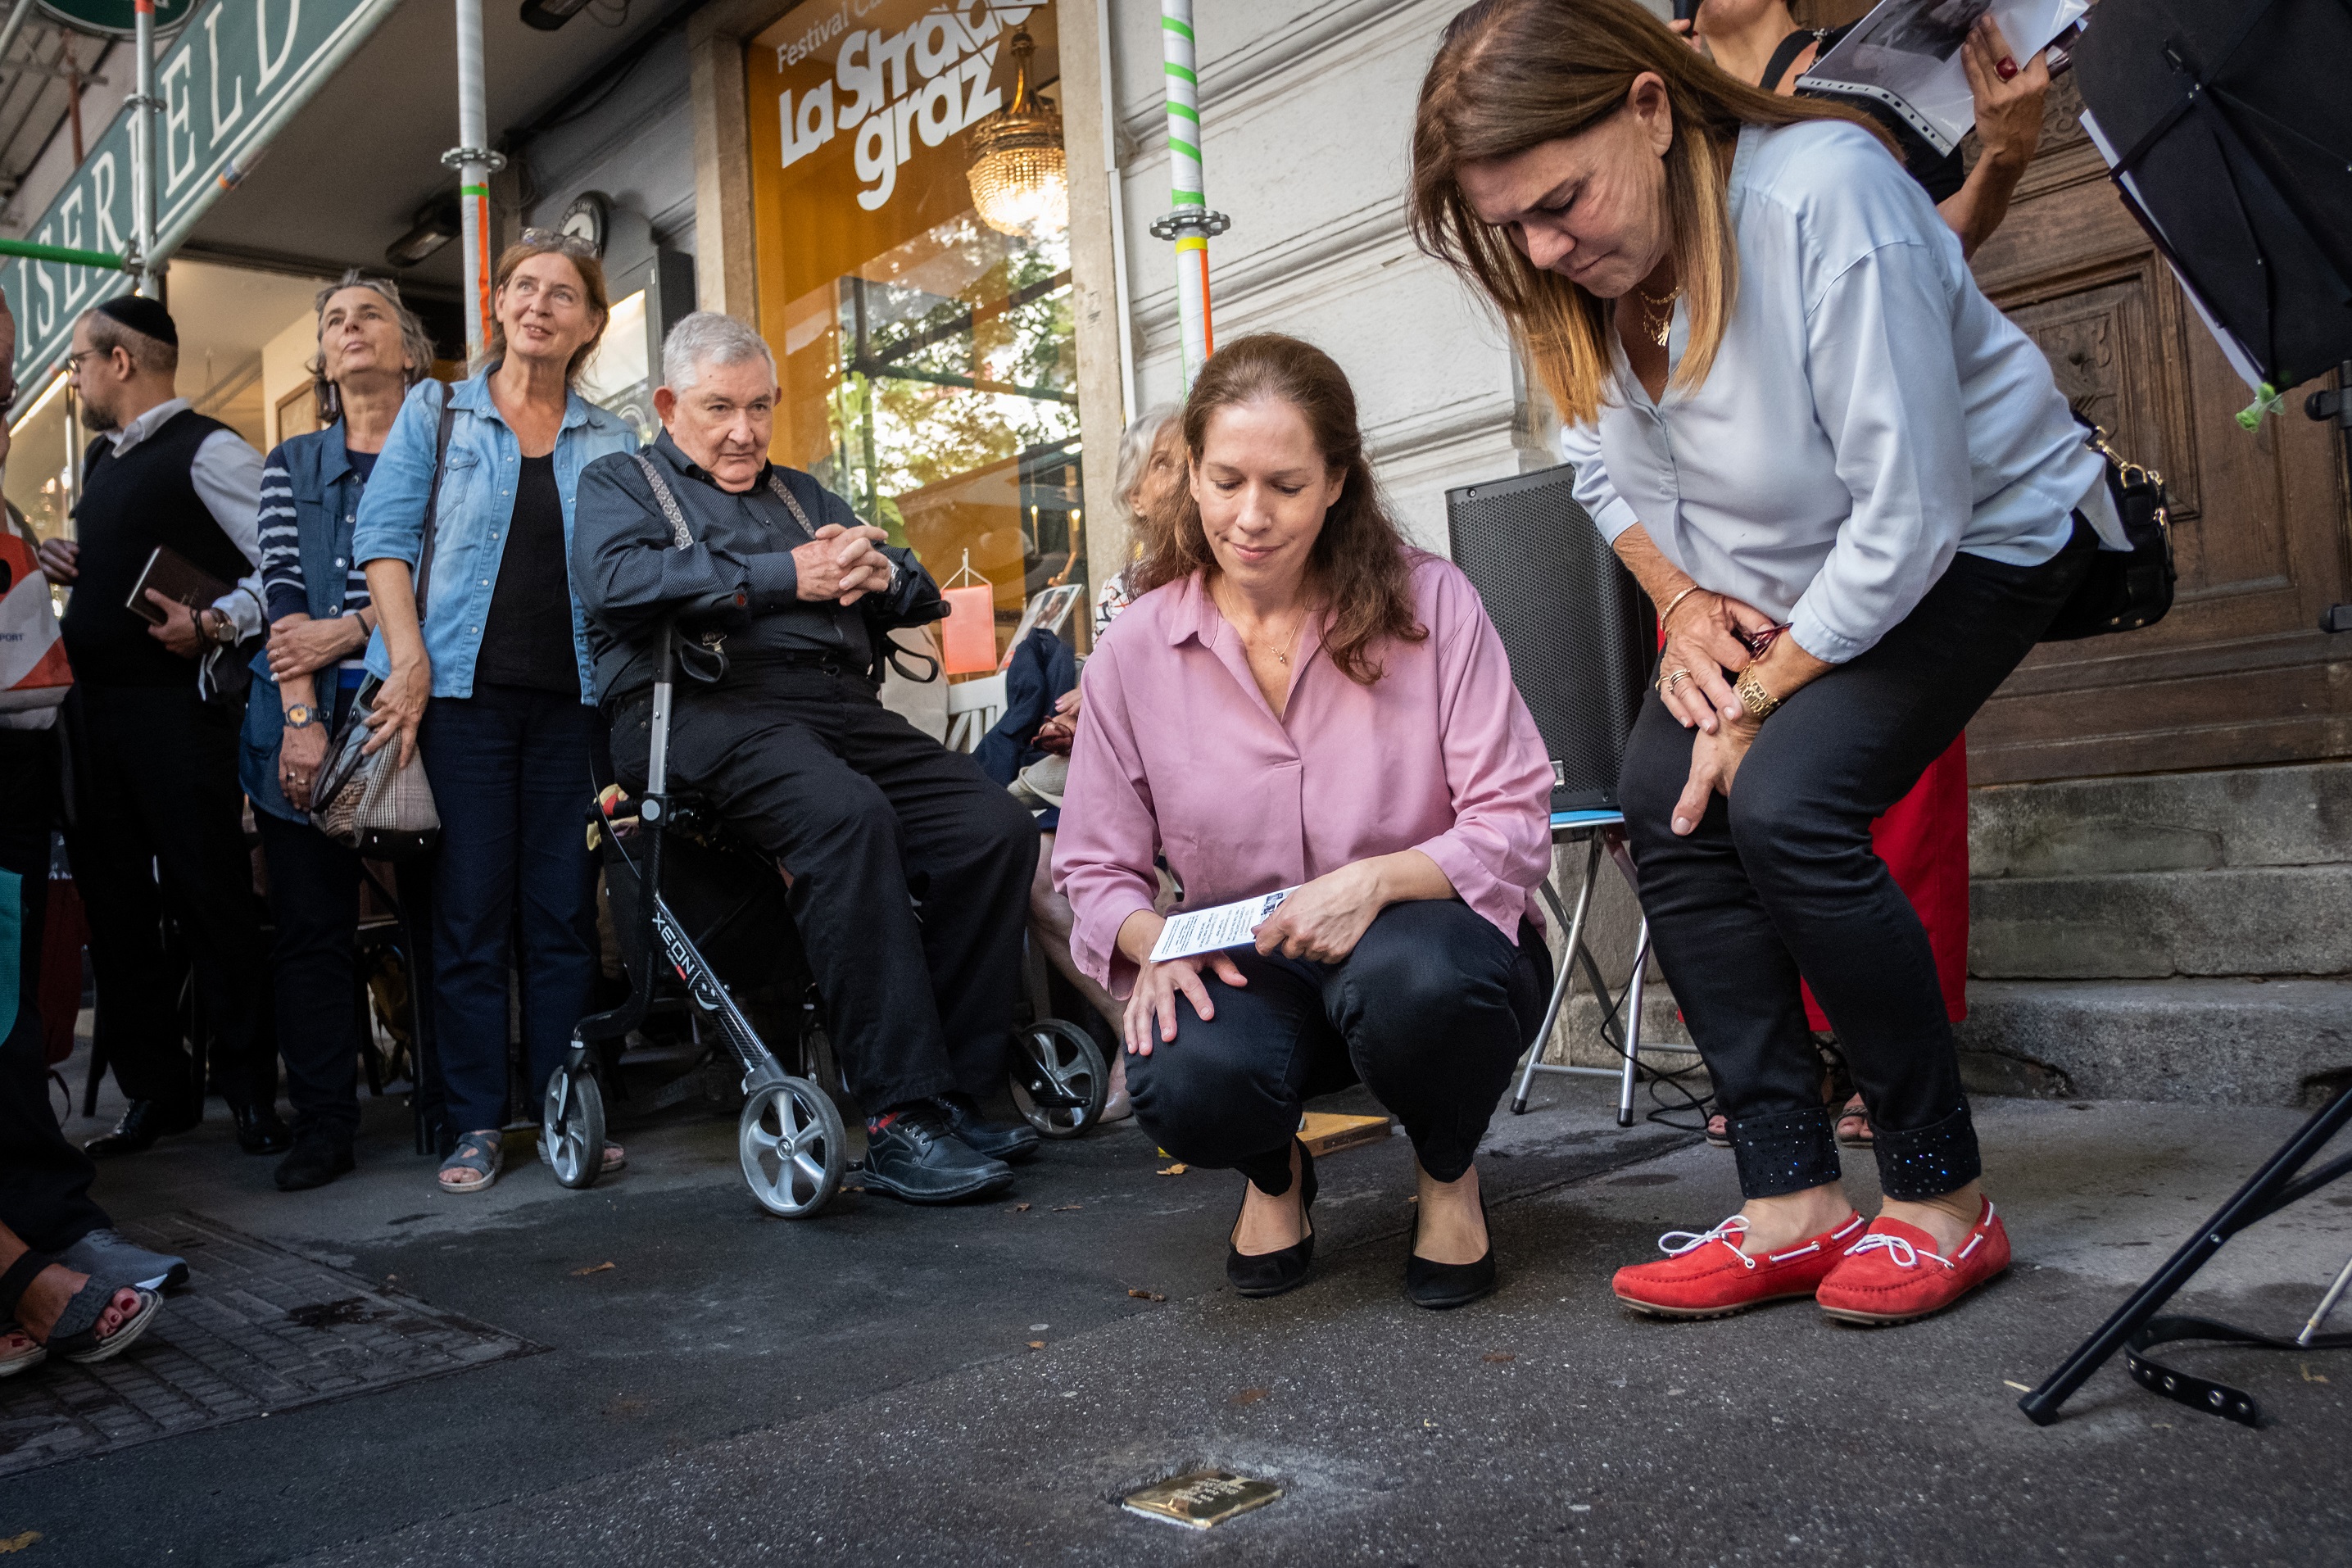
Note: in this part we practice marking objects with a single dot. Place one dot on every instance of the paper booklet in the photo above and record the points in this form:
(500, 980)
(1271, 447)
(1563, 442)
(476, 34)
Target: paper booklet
(1905, 56)
(1208, 931)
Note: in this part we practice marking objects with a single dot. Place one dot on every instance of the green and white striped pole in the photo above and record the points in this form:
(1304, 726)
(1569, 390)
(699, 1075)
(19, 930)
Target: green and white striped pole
(1191, 224)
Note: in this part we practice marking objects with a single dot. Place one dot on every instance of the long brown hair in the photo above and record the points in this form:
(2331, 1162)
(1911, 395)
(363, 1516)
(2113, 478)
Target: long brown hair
(538, 242)
(1359, 563)
(1514, 74)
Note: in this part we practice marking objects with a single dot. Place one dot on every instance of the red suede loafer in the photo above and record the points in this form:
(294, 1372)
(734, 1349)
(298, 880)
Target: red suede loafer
(1894, 1274)
(1704, 1274)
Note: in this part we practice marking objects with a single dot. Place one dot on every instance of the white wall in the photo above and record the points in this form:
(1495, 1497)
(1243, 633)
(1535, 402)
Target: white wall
(286, 365)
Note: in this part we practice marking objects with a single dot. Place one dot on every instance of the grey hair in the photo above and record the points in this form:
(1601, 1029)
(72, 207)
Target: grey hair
(707, 338)
(416, 342)
(1135, 444)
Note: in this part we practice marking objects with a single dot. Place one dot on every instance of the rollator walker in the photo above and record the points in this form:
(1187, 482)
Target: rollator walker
(790, 1138)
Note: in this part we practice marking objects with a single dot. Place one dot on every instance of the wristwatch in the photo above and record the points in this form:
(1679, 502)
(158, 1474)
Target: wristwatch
(301, 716)
(223, 631)
(1752, 695)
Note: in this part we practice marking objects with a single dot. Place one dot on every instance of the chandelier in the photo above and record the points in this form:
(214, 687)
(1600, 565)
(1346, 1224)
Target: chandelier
(1020, 180)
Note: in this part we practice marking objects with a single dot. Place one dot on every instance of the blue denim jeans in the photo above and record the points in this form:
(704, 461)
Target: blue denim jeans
(513, 882)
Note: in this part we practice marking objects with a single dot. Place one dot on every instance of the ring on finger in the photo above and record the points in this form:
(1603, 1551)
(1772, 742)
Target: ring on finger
(1673, 679)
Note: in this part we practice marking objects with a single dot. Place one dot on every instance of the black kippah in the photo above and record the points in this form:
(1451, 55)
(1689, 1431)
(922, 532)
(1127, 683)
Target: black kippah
(144, 316)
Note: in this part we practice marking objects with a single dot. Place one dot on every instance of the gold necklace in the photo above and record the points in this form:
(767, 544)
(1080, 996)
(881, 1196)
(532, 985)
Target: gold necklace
(1666, 328)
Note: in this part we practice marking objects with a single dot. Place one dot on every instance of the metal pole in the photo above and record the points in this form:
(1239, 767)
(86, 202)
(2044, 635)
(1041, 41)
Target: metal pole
(143, 144)
(13, 26)
(475, 163)
(1191, 224)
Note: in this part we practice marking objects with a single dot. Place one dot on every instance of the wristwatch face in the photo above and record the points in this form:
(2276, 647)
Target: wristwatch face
(224, 632)
(297, 716)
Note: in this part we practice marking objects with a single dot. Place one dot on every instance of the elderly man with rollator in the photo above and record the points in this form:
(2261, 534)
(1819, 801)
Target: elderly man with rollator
(909, 869)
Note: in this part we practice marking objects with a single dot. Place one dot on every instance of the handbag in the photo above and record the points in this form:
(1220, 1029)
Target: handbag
(368, 801)
(2124, 590)
(34, 673)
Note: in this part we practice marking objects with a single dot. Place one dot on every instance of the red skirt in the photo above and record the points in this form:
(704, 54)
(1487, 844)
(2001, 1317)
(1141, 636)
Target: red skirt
(1924, 840)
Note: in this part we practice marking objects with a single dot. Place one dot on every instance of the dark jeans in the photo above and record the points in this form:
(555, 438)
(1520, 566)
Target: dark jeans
(866, 810)
(1781, 878)
(1430, 1012)
(314, 897)
(511, 768)
(155, 789)
(44, 1179)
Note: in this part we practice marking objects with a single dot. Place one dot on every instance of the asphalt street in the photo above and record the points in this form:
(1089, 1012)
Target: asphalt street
(979, 1384)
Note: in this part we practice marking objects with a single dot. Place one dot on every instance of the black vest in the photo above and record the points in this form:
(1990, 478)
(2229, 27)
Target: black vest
(129, 504)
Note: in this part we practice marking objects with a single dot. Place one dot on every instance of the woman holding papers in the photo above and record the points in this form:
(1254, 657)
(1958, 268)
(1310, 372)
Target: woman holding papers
(1298, 701)
(1857, 498)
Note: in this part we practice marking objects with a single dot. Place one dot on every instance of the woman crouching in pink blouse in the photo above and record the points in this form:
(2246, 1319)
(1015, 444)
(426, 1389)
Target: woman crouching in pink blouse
(1299, 698)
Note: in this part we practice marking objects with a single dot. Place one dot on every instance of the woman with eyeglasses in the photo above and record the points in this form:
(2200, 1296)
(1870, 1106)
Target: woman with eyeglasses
(1862, 480)
(465, 537)
(371, 350)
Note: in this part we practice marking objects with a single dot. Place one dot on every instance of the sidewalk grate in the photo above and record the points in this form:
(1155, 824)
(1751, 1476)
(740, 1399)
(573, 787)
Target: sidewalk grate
(257, 1331)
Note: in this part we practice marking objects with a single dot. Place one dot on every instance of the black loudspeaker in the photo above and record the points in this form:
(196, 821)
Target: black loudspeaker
(1579, 631)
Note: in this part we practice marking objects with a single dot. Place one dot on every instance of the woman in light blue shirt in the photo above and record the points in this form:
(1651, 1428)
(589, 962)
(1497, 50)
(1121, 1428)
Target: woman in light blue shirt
(485, 667)
(1853, 492)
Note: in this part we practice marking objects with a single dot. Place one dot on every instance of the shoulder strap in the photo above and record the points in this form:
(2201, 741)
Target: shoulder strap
(792, 504)
(678, 531)
(433, 500)
(1786, 55)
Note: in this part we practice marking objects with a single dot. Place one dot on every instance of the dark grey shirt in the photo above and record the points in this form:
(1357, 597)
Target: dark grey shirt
(630, 574)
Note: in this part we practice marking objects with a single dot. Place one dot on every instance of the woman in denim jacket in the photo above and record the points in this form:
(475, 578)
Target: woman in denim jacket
(486, 671)
(371, 350)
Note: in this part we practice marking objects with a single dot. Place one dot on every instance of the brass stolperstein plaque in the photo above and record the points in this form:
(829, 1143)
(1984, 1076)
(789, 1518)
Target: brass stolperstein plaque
(1201, 1497)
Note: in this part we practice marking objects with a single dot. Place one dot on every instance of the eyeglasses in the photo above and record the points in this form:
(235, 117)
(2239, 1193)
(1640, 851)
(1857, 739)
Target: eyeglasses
(555, 239)
(73, 360)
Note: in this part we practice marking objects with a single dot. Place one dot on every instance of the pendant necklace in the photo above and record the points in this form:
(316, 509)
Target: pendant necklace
(1664, 329)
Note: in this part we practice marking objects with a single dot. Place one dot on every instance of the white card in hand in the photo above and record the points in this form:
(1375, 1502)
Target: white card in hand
(1207, 930)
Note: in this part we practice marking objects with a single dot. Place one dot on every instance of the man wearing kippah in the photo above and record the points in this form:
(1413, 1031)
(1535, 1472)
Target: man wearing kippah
(154, 773)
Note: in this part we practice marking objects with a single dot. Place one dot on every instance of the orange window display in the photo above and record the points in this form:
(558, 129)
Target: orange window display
(928, 359)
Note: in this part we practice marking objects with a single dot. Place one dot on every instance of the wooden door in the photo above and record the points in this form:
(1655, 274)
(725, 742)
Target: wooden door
(2239, 673)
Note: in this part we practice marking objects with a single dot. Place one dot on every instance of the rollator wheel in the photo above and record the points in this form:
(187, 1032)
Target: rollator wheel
(793, 1147)
(571, 1127)
(1058, 1080)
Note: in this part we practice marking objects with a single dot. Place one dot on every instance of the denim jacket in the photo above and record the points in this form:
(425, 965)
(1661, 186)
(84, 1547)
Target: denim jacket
(326, 490)
(477, 509)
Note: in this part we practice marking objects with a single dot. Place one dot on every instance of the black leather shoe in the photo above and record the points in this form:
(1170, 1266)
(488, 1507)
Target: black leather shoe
(1440, 1286)
(1011, 1144)
(1272, 1273)
(259, 1131)
(917, 1157)
(144, 1122)
(317, 1158)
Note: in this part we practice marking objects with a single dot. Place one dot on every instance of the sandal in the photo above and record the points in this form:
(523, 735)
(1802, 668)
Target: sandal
(615, 1159)
(74, 1336)
(1718, 1131)
(479, 1155)
(19, 1351)
(1853, 1126)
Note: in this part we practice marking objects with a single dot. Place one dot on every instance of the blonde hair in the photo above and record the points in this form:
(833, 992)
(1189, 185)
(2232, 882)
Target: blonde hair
(1512, 75)
(592, 283)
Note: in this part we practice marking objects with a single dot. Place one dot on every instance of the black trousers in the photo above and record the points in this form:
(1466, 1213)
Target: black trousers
(157, 824)
(1430, 1012)
(513, 772)
(1780, 878)
(872, 818)
(314, 899)
(44, 1179)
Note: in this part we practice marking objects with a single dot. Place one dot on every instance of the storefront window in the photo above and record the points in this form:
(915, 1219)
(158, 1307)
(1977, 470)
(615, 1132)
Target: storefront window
(42, 459)
(927, 360)
(617, 376)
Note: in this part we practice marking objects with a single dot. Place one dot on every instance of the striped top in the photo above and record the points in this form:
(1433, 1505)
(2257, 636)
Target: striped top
(281, 544)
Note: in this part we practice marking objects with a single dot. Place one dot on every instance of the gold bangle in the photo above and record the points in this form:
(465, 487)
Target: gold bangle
(1752, 695)
(1667, 614)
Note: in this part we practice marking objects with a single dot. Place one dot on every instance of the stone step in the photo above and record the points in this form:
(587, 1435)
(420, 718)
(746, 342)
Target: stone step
(2269, 920)
(2298, 816)
(2240, 1042)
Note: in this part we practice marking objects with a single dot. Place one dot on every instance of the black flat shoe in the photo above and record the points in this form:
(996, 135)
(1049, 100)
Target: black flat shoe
(1272, 1273)
(259, 1129)
(1441, 1286)
(1011, 1144)
(317, 1158)
(144, 1122)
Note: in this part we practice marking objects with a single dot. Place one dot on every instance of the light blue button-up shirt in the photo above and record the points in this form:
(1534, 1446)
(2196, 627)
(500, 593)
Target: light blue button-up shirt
(1869, 413)
(475, 515)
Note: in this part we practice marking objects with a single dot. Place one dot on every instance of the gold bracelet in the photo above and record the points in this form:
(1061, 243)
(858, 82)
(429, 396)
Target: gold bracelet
(1666, 612)
(1752, 695)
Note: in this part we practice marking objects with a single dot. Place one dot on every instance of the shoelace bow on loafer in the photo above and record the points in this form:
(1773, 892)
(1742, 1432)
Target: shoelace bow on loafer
(1695, 1281)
